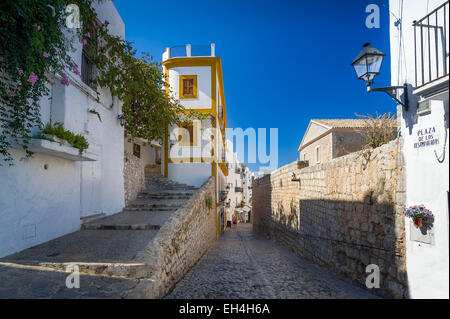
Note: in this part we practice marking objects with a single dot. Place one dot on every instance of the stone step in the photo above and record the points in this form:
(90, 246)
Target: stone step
(131, 220)
(115, 270)
(163, 197)
(90, 218)
(167, 192)
(107, 252)
(147, 208)
(158, 203)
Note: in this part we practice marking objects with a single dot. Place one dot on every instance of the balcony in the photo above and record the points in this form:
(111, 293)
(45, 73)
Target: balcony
(188, 50)
(59, 149)
(222, 196)
(431, 49)
(238, 189)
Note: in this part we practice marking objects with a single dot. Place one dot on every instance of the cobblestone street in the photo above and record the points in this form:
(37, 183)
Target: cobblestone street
(243, 265)
(239, 265)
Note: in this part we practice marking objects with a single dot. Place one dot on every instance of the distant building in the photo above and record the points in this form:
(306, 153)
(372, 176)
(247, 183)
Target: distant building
(326, 139)
(239, 193)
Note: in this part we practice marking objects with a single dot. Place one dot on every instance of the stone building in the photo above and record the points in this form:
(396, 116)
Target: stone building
(326, 139)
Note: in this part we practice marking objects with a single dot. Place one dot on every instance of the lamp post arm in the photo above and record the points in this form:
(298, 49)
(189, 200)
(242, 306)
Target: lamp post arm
(392, 92)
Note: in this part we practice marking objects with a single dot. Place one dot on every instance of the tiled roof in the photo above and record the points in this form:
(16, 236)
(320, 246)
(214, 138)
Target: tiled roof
(349, 123)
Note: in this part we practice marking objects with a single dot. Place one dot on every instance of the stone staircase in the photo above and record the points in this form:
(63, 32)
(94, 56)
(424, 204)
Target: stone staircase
(108, 246)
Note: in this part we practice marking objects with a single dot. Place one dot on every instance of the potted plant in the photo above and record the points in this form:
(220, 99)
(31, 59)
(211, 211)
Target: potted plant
(418, 213)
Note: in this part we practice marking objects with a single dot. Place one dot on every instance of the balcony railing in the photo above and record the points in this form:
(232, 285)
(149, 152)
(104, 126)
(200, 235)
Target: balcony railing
(222, 196)
(238, 189)
(431, 46)
(189, 50)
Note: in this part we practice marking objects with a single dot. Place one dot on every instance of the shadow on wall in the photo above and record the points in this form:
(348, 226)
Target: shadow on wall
(341, 236)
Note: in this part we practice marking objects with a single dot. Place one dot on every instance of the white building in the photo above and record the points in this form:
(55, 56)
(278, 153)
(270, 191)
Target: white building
(195, 150)
(239, 180)
(46, 196)
(420, 58)
(234, 181)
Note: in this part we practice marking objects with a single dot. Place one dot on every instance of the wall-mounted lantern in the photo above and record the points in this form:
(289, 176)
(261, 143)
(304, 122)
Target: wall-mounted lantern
(367, 66)
(121, 119)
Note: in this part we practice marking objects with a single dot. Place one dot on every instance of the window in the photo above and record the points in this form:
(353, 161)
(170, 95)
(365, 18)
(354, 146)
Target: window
(304, 156)
(87, 61)
(188, 87)
(317, 154)
(187, 134)
(137, 150)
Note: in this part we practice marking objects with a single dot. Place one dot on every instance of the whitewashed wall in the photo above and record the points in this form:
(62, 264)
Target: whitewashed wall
(38, 204)
(427, 179)
(194, 174)
(203, 100)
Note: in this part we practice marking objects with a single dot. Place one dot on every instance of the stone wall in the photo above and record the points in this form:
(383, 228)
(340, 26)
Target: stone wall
(134, 177)
(342, 215)
(179, 244)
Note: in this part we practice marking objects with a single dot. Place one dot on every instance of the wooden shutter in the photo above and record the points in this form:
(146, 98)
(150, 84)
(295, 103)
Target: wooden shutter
(188, 86)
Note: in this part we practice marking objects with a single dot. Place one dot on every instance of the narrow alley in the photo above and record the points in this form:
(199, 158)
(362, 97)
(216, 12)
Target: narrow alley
(241, 264)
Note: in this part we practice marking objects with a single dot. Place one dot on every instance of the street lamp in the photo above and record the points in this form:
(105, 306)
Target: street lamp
(367, 66)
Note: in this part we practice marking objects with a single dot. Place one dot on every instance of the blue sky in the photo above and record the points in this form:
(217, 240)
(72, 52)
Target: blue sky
(284, 62)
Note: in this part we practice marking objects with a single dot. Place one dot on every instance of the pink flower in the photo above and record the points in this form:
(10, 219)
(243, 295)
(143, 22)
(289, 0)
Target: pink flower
(37, 26)
(53, 9)
(11, 93)
(33, 78)
(75, 70)
(20, 71)
(84, 42)
(64, 79)
(46, 54)
(88, 35)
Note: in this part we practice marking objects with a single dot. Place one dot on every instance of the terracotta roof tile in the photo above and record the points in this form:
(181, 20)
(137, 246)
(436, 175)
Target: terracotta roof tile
(348, 123)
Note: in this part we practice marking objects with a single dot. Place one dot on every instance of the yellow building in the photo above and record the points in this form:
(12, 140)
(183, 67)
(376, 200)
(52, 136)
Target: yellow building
(194, 151)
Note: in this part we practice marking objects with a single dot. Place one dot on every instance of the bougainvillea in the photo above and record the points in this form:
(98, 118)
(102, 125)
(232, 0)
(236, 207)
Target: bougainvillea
(33, 46)
(35, 43)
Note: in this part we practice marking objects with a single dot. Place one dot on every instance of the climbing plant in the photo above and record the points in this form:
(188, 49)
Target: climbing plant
(35, 45)
(141, 84)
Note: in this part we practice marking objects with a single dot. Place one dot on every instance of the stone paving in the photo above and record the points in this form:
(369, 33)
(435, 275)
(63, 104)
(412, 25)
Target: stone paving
(20, 283)
(239, 265)
(244, 265)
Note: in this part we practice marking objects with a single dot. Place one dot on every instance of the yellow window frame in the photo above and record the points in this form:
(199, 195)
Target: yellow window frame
(194, 141)
(188, 77)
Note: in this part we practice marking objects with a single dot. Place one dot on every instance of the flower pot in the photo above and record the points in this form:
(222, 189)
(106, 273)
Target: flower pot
(417, 222)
